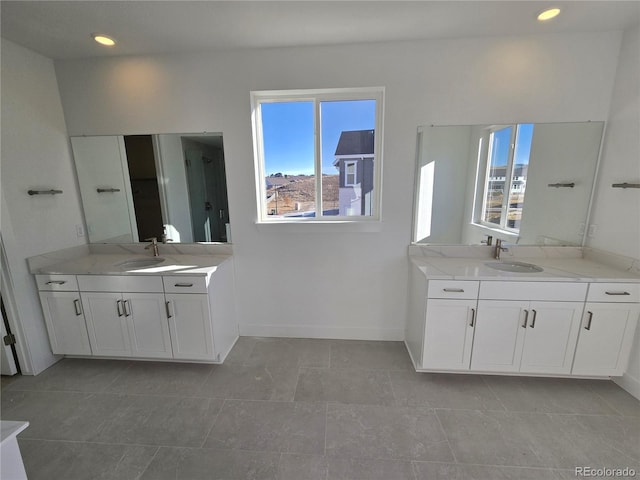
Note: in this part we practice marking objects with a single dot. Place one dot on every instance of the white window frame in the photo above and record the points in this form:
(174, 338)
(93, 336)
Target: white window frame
(316, 96)
(355, 173)
(507, 185)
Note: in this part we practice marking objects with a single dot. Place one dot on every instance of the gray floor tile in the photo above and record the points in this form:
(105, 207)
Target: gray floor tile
(162, 378)
(370, 355)
(489, 437)
(7, 380)
(293, 427)
(547, 395)
(251, 383)
(443, 391)
(621, 401)
(239, 354)
(210, 464)
(46, 460)
(448, 471)
(60, 415)
(319, 467)
(158, 420)
(73, 374)
(385, 433)
(368, 387)
(290, 352)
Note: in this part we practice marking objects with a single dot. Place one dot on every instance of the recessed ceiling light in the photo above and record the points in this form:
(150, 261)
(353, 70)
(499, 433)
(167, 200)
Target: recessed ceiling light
(548, 14)
(103, 39)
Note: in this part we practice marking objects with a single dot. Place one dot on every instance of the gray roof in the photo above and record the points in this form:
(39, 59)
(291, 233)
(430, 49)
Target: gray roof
(355, 142)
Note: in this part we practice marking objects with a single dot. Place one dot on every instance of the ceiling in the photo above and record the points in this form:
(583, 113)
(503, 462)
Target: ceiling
(61, 29)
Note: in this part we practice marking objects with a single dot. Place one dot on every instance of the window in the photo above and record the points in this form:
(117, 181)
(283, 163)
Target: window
(505, 179)
(318, 154)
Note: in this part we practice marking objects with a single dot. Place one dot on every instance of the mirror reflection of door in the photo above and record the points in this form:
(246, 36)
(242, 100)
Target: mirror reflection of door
(206, 179)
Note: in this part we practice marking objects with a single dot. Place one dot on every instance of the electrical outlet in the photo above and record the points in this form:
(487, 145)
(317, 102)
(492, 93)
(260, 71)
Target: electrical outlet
(79, 231)
(592, 231)
(581, 227)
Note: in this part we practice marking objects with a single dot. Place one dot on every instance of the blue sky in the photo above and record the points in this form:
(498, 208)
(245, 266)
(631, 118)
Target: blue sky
(523, 145)
(287, 130)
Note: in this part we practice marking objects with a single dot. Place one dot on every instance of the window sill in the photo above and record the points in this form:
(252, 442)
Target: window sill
(504, 234)
(337, 226)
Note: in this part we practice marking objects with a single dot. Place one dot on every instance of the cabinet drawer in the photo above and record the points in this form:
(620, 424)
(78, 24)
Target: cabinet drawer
(551, 291)
(184, 284)
(57, 283)
(614, 292)
(120, 283)
(452, 289)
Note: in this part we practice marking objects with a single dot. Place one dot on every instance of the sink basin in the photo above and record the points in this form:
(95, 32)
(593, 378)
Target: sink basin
(518, 267)
(140, 262)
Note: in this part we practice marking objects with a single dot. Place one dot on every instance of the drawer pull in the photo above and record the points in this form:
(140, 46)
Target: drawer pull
(533, 320)
(473, 317)
(588, 325)
(183, 284)
(119, 308)
(56, 282)
(454, 290)
(617, 293)
(168, 307)
(127, 308)
(76, 305)
(526, 317)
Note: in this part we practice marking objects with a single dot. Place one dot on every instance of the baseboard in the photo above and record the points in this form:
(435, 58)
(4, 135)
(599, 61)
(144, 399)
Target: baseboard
(630, 384)
(338, 333)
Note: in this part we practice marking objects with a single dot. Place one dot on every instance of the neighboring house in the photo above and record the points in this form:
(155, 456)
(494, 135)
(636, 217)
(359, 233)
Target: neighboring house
(518, 182)
(354, 160)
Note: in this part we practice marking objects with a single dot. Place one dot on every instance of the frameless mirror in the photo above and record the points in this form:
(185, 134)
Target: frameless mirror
(526, 183)
(170, 186)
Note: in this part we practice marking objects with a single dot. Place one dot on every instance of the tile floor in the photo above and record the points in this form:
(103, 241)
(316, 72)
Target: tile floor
(306, 409)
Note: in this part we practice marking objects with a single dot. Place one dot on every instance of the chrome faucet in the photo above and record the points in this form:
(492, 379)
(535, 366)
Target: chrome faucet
(498, 249)
(153, 246)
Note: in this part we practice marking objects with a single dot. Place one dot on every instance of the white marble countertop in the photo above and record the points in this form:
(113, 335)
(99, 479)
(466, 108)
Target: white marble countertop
(107, 264)
(557, 269)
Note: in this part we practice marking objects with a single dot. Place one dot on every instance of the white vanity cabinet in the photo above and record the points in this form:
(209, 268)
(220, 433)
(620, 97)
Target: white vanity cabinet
(449, 324)
(527, 327)
(189, 317)
(607, 330)
(125, 316)
(63, 314)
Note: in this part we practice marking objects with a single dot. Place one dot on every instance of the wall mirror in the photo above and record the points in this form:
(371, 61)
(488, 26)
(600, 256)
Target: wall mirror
(525, 183)
(169, 186)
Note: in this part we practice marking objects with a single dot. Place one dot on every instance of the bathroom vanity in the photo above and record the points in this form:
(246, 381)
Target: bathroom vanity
(173, 307)
(574, 317)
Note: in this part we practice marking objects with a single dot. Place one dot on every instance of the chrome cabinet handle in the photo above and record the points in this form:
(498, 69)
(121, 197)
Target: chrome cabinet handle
(76, 305)
(617, 293)
(473, 317)
(119, 308)
(456, 290)
(183, 284)
(533, 320)
(526, 317)
(56, 282)
(168, 307)
(127, 308)
(588, 325)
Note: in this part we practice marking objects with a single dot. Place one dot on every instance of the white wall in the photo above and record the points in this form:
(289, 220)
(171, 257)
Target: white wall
(616, 212)
(337, 282)
(35, 154)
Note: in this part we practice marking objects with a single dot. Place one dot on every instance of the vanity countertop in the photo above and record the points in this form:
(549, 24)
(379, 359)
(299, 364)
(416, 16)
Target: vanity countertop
(111, 264)
(555, 269)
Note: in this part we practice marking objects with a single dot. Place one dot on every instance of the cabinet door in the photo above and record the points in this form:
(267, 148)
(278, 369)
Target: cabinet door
(65, 323)
(190, 326)
(106, 323)
(605, 338)
(550, 338)
(147, 324)
(499, 336)
(448, 334)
